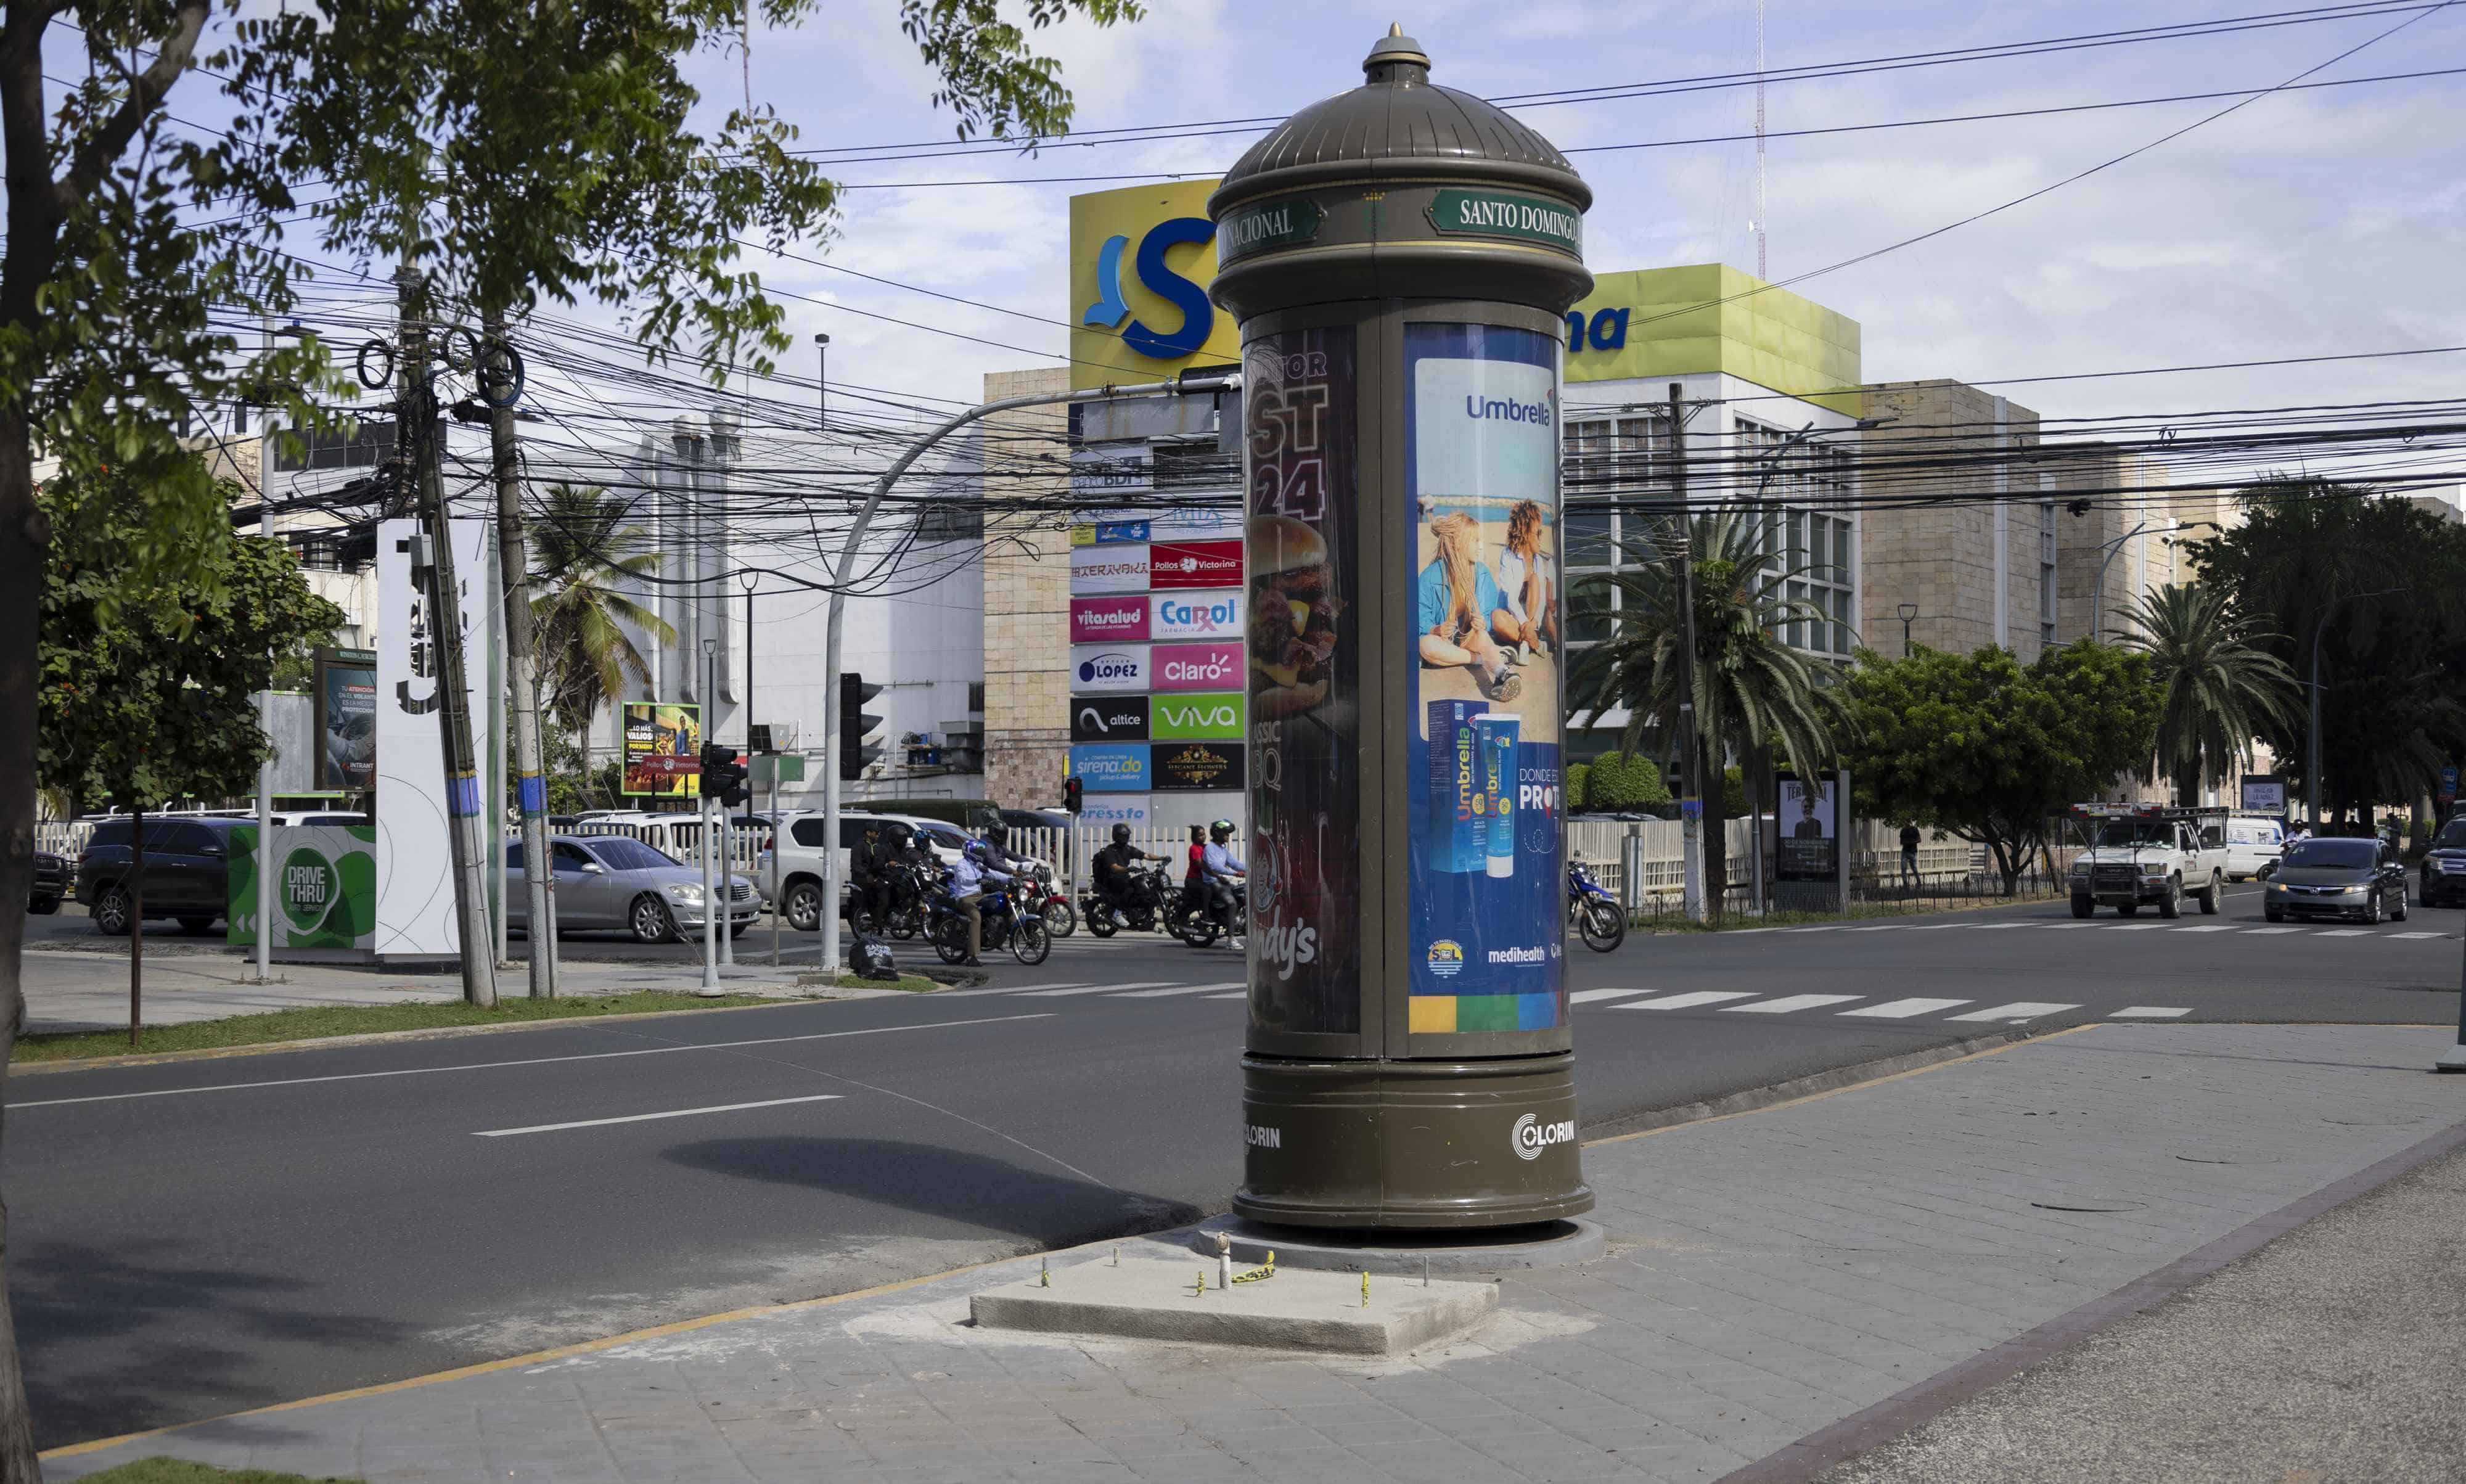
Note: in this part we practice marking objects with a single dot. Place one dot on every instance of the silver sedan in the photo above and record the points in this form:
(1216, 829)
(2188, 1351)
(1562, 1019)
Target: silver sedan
(614, 881)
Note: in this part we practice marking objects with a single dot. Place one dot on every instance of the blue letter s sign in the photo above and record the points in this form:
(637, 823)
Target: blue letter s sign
(1197, 315)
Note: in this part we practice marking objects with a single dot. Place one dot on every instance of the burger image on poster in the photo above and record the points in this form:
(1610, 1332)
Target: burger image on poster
(1291, 631)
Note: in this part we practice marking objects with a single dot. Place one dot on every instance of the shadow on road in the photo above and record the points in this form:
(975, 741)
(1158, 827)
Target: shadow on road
(126, 1337)
(967, 1191)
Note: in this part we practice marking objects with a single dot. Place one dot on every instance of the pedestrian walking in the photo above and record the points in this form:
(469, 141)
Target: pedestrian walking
(1910, 854)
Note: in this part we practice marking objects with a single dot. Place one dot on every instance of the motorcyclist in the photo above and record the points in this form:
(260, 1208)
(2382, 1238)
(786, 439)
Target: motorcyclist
(913, 865)
(968, 882)
(869, 872)
(1219, 868)
(1115, 882)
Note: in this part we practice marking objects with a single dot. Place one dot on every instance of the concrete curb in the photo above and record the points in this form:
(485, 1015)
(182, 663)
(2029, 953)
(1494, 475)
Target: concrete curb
(1292, 1311)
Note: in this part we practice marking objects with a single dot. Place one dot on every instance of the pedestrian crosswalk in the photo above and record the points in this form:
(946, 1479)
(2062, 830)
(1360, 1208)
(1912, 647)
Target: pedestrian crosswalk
(2116, 925)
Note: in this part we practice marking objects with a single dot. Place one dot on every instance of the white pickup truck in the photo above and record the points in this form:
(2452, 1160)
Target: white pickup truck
(2148, 854)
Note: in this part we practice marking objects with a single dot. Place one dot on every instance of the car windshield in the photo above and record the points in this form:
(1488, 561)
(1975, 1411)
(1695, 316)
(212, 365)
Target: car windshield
(2135, 832)
(2332, 854)
(618, 853)
(2453, 836)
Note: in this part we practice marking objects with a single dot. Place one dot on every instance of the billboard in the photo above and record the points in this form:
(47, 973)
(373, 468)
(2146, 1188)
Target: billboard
(1198, 714)
(1808, 821)
(1109, 666)
(662, 749)
(1104, 811)
(1484, 931)
(1195, 765)
(1303, 706)
(1108, 718)
(1192, 564)
(1109, 569)
(1097, 620)
(344, 695)
(2266, 792)
(1196, 666)
(1110, 769)
(325, 886)
(1140, 261)
(1195, 615)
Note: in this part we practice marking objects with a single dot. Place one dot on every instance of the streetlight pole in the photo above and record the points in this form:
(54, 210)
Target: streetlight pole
(1690, 803)
(1203, 379)
(1909, 615)
(823, 381)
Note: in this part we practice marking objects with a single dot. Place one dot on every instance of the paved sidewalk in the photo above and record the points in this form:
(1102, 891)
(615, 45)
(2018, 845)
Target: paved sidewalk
(89, 991)
(1769, 1275)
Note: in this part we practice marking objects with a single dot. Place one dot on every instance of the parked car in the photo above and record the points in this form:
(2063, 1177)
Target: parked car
(2362, 879)
(188, 872)
(2444, 866)
(616, 881)
(53, 880)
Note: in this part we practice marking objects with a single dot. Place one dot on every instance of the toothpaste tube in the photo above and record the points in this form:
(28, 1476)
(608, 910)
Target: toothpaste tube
(1459, 804)
(1497, 735)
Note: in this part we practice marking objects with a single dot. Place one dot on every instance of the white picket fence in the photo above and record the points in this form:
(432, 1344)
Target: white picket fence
(680, 836)
(1601, 845)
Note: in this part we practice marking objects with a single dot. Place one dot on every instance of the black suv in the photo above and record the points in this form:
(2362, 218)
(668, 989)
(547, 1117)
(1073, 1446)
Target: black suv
(2444, 867)
(188, 872)
(52, 880)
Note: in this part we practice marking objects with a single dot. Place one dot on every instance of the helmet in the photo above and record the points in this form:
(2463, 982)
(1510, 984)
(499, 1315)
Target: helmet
(900, 834)
(1222, 830)
(973, 850)
(1121, 834)
(997, 832)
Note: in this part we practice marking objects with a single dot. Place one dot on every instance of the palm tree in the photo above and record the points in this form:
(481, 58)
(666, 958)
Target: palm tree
(2222, 689)
(1753, 692)
(582, 547)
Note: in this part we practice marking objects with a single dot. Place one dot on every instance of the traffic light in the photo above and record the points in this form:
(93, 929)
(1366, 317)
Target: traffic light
(724, 776)
(858, 744)
(1071, 789)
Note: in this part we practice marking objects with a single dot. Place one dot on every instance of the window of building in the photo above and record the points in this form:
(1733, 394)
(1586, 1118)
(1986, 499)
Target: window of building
(1610, 464)
(1805, 492)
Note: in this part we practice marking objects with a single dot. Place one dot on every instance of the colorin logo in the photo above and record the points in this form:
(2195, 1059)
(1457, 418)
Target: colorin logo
(1193, 666)
(1111, 308)
(1216, 715)
(1445, 958)
(1193, 564)
(1110, 769)
(1195, 615)
(1109, 569)
(309, 885)
(1530, 1135)
(1093, 620)
(1097, 667)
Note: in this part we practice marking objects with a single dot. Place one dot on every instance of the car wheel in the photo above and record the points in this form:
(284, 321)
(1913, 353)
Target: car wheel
(43, 905)
(805, 907)
(194, 926)
(2372, 910)
(2215, 896)
(111, 912)
(2171, 905)
(2399, 915)
(651, 922)
(2083, 906)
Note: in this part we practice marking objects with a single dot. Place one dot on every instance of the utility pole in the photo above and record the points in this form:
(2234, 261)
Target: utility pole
(416, 408)
(711, 891)
(521, 672)
(1691, 802)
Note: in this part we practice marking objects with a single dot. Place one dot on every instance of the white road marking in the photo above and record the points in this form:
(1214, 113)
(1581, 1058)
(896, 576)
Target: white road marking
(1002, 989)
(2214, 926)
(2133, 927)
(1238, 993)
(1690, 1000)
(1990, 926)
(2018, 1010)
(2063, 925)
(681, 1113)
(530, 1061)
(2265, 932)
(1789, 1002)
(2149, 1012)
(2347, 933)
(1093, 989)
(1903, 1009)
(1588, 996)
(1827, 927)
(2418, 934)
(1176, 989)
(1889, 927)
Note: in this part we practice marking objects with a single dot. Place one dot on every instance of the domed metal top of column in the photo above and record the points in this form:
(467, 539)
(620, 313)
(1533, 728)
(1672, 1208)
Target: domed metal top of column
(1399, 124)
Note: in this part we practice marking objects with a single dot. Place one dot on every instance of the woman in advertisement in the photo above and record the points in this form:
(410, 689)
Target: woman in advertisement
(1458, 598)
(1528, 622)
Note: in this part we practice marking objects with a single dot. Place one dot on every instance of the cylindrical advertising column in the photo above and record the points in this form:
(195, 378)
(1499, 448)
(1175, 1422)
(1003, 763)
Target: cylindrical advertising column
(1399, 258)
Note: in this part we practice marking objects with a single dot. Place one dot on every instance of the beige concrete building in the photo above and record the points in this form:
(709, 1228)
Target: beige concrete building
(1957, 529)
(1027, 601)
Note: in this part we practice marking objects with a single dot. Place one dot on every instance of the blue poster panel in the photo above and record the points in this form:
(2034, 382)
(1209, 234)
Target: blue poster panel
(1481, 484)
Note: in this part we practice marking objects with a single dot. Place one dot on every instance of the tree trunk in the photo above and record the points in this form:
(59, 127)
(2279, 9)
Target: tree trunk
(1716, 830)
(25, 541)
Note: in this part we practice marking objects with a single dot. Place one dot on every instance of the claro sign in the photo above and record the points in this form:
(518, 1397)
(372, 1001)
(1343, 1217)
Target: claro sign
(1189, 667)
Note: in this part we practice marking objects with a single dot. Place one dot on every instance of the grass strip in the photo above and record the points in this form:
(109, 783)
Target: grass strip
(313, 1022)
(180, 1471)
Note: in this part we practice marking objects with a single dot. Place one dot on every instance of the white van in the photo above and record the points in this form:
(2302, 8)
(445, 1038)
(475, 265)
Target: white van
(2252, 842)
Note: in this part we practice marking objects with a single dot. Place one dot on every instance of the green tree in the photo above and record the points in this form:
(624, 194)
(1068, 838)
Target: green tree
(582, 548)
(523, 153)
(1991, 750)
(149, 684)
(1753, 693)
(1578, 774)
(1619, 781)
(2218, 688)
(2376, 588)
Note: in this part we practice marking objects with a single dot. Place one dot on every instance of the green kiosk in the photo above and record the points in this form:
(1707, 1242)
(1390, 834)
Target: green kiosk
(1399, 258)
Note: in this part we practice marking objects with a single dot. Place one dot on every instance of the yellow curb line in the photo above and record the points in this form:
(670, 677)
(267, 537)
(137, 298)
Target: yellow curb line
(516, 1362)
(1872, 1082)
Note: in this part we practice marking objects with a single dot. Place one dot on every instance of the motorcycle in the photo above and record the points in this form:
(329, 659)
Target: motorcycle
(1011, 920)
(1592, 911)
(1060, 917)
(1152, 889)
(1193, 919)
(908, 891)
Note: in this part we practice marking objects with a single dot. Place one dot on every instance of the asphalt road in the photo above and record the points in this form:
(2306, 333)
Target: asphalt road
(194, 1238)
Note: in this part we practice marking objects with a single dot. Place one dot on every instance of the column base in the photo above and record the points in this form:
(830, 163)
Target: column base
(1428, 1145)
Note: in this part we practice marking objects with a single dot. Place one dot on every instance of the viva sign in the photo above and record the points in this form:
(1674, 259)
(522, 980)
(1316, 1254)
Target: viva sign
(1201, 715)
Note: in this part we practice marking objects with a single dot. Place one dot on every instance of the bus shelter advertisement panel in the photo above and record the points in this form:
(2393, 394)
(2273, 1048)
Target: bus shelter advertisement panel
(1482, 490)
(662, 749)
(1305, 709)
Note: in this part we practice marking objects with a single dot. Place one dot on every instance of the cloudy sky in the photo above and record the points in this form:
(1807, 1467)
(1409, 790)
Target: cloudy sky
(2306, 223)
